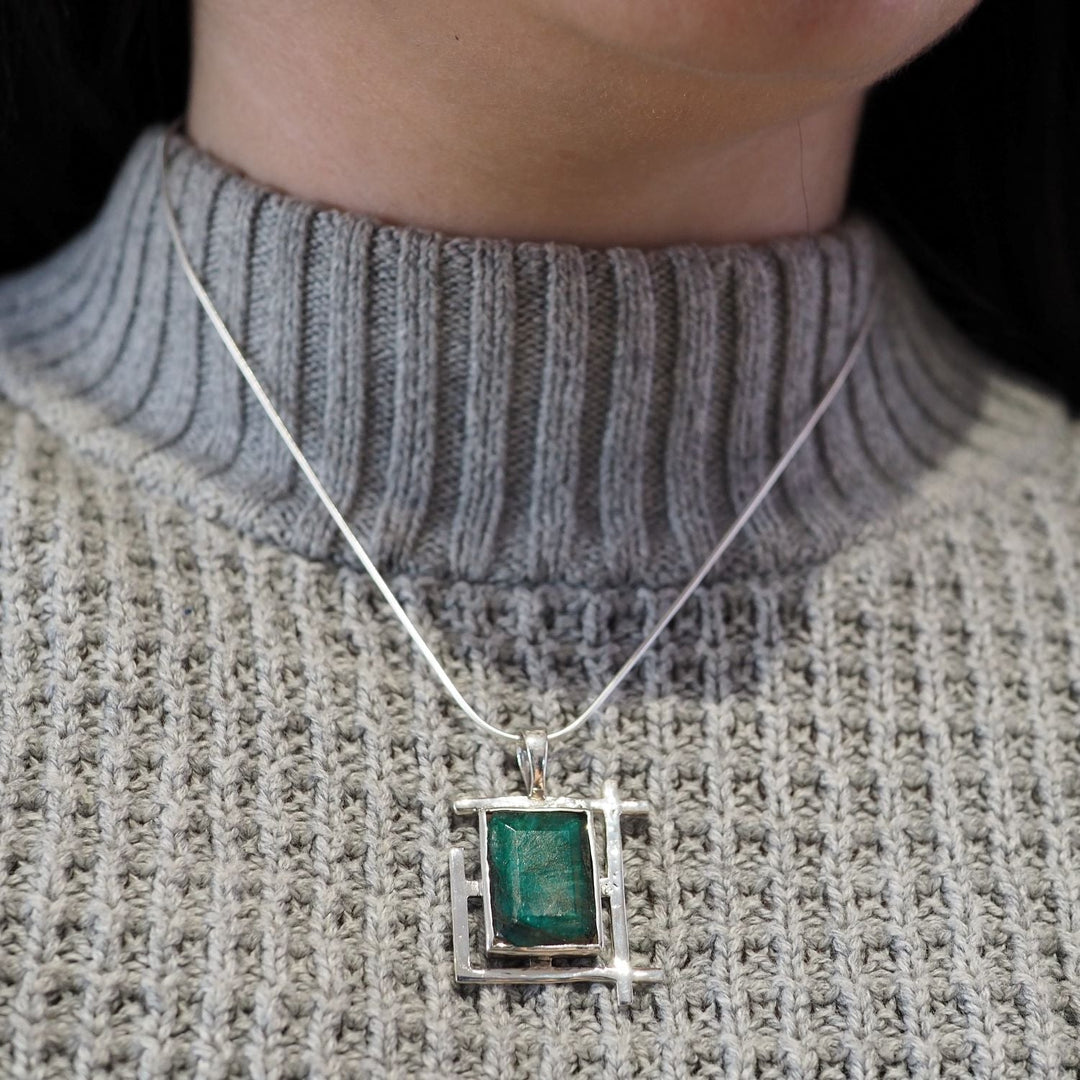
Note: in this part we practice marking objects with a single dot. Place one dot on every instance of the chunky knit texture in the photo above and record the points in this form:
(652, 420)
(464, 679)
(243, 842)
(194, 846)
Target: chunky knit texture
(226, 778)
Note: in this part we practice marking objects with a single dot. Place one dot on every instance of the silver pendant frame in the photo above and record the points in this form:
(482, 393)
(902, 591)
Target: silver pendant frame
(612, 958)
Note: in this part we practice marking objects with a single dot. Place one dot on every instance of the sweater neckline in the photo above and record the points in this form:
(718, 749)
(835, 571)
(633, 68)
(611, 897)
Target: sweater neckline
(500, 410)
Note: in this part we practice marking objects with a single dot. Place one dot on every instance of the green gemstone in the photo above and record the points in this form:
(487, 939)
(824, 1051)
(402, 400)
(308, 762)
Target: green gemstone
(540, 869)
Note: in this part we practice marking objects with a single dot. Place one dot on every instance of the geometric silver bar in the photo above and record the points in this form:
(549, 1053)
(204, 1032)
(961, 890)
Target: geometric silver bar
(613, 964)
(562, 802)
(615, 895)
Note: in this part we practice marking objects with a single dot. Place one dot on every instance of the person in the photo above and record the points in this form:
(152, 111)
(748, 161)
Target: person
(544, 290)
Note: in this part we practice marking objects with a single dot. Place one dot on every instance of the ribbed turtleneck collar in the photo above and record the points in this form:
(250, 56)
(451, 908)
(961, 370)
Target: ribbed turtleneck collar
(495, 409)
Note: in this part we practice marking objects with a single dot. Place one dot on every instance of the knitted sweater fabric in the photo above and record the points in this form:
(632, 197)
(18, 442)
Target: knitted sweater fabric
(226, 777)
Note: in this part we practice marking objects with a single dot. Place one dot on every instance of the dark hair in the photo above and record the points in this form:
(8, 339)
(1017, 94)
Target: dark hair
(968, 154)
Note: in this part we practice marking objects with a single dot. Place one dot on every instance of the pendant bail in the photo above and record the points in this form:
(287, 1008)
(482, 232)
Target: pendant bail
(532, 761)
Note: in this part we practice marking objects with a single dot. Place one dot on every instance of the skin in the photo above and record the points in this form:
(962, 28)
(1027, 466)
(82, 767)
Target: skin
(595, 122)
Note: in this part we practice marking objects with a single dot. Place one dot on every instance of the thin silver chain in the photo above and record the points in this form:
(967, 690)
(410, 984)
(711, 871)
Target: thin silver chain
(305, 467)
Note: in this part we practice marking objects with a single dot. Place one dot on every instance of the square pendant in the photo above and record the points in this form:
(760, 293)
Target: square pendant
(551, 889)
(540, 882)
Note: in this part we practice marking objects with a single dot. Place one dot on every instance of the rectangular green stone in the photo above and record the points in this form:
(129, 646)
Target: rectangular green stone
(541, 878)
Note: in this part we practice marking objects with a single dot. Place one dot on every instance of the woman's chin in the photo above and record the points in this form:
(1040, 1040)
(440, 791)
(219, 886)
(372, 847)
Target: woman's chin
(838, 40)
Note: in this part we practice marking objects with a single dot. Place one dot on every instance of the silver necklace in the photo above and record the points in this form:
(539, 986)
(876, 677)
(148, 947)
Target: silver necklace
(542, 886)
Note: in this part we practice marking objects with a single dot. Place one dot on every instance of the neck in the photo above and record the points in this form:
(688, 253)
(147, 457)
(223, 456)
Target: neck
(486, 119)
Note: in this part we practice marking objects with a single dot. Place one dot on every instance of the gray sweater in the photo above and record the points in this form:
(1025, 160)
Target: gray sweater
(226, 778)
